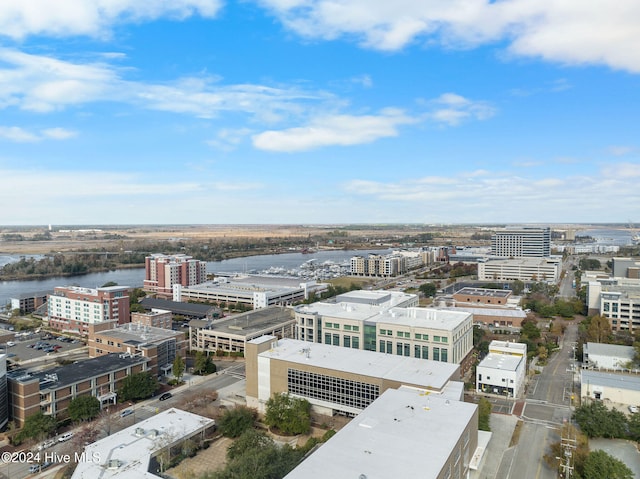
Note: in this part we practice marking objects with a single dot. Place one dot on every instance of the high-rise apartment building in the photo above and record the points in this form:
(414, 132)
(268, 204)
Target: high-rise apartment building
(72, 308)
(516, 242)
(163, 271)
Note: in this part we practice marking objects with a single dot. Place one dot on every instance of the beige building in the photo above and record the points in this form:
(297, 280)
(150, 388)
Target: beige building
(158, 345)
(156, 318)
(523, 269)
(232, 333)
(338, 380)
(618, 388)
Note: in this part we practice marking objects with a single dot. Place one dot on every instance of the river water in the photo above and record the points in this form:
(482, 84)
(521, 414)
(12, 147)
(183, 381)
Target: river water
(134, 277)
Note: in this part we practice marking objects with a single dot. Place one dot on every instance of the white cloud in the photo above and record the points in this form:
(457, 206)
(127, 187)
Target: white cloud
(20, 135)
(21, 18)
(332, 130)
(568, 197)
(619, 150)
(559, 31)
(453, 109)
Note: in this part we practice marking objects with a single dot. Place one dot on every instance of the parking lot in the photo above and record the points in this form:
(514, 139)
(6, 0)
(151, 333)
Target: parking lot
(40, 346)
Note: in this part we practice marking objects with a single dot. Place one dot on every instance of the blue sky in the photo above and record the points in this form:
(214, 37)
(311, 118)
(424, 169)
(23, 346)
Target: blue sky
(315, 111)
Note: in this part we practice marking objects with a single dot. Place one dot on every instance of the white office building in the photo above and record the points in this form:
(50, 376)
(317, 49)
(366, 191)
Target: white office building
(503, 370)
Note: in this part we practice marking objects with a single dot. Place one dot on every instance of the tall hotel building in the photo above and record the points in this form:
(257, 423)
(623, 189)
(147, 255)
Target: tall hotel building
(163, 271)
(73, 308)
(517, 242)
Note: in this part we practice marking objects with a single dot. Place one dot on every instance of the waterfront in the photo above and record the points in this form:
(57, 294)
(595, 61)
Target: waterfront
(134, 277)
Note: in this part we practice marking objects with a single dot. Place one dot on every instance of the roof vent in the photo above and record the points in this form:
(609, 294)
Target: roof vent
(139, 432)
(114, 464)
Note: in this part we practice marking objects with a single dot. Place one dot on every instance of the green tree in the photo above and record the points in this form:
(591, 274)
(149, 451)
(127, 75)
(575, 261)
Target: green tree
(203, 364)
(599, 465)
(484, 414)
(83, 408)
(529, 329)
(236, 421)
(290, 415)
(428, 289)
(138, 386)
(178, 367)
(517, 287)
(596, 420)
(37, 426)
(598, 329)
(248, 440)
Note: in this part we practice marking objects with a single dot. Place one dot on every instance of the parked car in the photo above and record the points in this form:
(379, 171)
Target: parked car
(34, 468)
(165, 396)
(633, 409)
(65, 437)
(126, 412)
(10, 343)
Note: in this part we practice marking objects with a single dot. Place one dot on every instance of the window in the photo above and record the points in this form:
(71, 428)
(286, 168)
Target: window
(407, 334)
(436, 339)
(444, 355)
(416, 351)
(399, 349)
(383, 332)
(407, 349)
(327, 338)
(400, 334)
(389, 347)
(347, 341)
(418, 336)
(355, 342)
(336, 340)
(356, 328)
(436, 354)
(328, 325)
(425, 352)
(382, 346)
(444, 339)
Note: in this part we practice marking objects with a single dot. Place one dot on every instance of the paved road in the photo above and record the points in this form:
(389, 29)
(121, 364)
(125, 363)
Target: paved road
(547, 405)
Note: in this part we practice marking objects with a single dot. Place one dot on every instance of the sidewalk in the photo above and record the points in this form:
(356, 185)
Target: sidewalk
(502, 427)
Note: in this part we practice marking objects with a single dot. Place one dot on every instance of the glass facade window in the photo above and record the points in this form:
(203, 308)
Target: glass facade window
(347, 341)
(444, 355)
(425, 352)
(436, 354)
(334, 390)
(369, 337)
(355, 342)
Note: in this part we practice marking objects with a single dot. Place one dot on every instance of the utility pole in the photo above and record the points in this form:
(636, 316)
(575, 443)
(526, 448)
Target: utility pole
(568, 446)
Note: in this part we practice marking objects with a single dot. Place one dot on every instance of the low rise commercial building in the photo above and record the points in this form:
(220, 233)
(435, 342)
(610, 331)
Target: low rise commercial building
(156, 318)
(232, 333)
(337, 380)
(621, 388)
(387, 322)
(159, 345)
(50, 391)
(144, 450)
(253, 290)
(523, 269)
(607, 356)
(503, 370)
(73, 309)
(182, 310)
(404, 433)
(27, 303)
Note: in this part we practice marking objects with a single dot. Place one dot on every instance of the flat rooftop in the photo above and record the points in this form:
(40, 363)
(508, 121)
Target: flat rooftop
(82, 370)
(248, 284)
(251, 322)
(404, 434)
(132, 448)
(613, 350)
(177, 307)
(484, 292)
(407, 370)
(139, 334)
(482, 311)
(504, 362)
(359, 305)
(424, 318)
(611, 380)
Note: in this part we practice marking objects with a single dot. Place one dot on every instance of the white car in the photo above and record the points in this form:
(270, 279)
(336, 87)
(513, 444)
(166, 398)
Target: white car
(10, 343)
(65, 437)
(633, 409)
